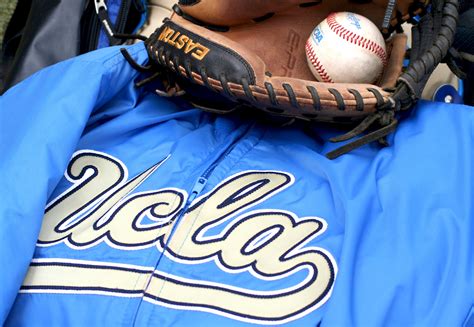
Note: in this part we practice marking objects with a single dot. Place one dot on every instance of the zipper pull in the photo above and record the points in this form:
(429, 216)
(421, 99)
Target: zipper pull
(200, 183)
(101, 10)
(99, 4)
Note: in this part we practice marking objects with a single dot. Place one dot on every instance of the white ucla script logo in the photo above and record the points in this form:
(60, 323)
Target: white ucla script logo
(101, 206)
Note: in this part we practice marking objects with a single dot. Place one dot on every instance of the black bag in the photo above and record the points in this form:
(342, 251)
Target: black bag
(44, 32)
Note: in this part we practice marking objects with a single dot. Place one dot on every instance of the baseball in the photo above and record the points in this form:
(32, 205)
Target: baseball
(346, 48)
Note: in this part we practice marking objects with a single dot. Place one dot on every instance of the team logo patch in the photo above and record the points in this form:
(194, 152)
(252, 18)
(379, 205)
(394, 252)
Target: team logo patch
(103, 206)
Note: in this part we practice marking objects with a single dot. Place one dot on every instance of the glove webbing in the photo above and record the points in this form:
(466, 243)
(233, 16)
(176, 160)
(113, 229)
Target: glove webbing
(432, 38)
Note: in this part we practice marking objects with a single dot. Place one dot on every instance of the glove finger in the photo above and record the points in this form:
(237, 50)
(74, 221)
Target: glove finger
(231, 12)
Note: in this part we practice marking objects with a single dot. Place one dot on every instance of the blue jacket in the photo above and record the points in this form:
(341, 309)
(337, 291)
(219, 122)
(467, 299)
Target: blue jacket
(119, 207)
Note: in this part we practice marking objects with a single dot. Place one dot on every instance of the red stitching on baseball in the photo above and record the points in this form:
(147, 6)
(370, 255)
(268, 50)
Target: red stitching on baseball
(316, 64)
(356, 39)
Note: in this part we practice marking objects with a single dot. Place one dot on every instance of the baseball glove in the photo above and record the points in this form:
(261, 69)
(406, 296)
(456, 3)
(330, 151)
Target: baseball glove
(227, 54)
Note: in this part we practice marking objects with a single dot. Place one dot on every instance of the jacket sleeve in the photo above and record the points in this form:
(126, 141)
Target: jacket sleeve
(41, 121)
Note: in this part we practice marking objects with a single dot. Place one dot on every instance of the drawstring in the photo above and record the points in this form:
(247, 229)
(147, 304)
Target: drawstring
(133, 63)
(385, 118)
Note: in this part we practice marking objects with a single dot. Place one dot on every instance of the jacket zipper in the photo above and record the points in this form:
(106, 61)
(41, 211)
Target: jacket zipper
(199, 186)
(202, 180)
(196, 191)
